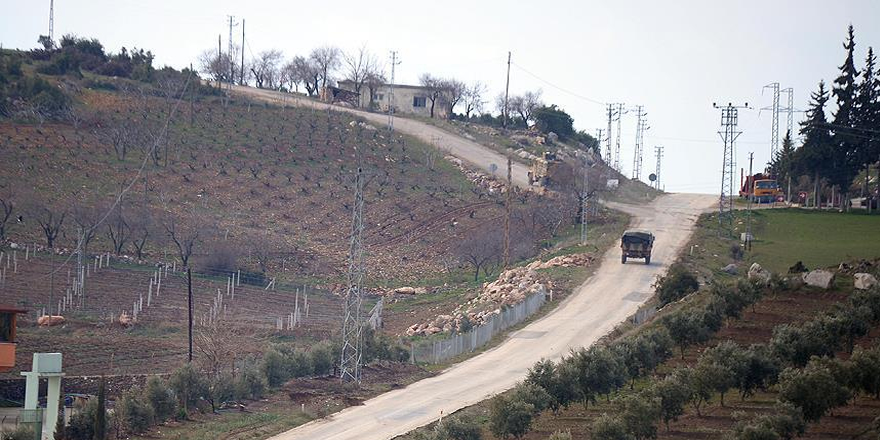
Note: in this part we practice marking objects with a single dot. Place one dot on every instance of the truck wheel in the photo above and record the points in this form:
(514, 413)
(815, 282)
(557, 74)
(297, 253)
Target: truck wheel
(623, 259)
(648, 259)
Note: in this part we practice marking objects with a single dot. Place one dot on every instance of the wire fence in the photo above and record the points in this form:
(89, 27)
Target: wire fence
(437, 351)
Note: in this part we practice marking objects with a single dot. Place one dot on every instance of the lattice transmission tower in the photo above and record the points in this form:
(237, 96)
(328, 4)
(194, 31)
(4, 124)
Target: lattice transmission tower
(774, 126)
(350, 362)
(658, 152)
(728, 133)
(641, 126)
(618, 116)
(607, 157)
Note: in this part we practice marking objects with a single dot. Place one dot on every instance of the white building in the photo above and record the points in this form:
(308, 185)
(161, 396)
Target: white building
(406, 99)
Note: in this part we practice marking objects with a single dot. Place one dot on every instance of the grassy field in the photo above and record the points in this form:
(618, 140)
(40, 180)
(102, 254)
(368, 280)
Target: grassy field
(818, 238)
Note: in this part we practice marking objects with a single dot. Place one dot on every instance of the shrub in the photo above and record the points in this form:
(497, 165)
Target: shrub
(608, 428)
(189, 386)
(866, 369)
(136, 413)
(21, 432)
(160, 397)
(676, 284)
(82, 423)
(274, 368)
(509, 417)
(222, 389)
(457, 428)
(322, 358)
(250, 384)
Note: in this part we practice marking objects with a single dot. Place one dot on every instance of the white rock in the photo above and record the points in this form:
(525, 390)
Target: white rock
(758, 274)
(820, 278)
(864, 281)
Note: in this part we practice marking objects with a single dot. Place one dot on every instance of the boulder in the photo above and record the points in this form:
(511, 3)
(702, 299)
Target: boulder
(864, 281)
(405, 290)
(820, 278)
(730, 268)
(758, 274)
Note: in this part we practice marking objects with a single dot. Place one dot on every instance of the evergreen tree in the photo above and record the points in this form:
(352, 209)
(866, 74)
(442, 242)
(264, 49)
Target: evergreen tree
(814, 157)
(781, 164)
(845, 148)
(100, 429)
(867, 114)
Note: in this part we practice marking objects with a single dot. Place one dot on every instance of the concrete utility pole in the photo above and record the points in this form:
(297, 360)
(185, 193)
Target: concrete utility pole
(620, 113)
(749, 194)
(586, 189)
(394, 63)
(599, 133)
(774, 126)
(229, 50)
(219, 58)
(658, 152)
(506, 94)
(52, 21)
(189, 296)
(609, 160)
(641, 126)
(241, 77)
(729, 133)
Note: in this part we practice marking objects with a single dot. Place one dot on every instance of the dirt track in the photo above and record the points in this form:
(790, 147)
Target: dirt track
(464, 149)
(610, 296)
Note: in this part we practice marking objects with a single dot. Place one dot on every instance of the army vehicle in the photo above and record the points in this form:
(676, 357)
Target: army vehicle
(636, 243)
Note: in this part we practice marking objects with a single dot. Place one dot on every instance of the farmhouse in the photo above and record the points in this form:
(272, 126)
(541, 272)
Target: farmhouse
(407, 99)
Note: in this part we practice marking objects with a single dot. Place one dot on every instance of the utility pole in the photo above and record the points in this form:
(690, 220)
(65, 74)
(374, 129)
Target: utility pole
(641, 126)
(229, 50)
(729, 133)
(241, 77)
(219, 59)
(394, 64)
(658, 152)
(350, 362)
(189, 296)
(789, 110)
(506, 94)
(192, 105)
(52, 21)
(599, 133)
(774, 126)
(586, 190)
(749, 194)
(507, 214)
(609, 160)
(620, 113)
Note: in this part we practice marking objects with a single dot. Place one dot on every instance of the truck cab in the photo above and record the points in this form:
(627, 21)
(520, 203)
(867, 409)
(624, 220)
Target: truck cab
(636, 243)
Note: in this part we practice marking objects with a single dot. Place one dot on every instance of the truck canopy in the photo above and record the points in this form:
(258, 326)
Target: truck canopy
(638, 236)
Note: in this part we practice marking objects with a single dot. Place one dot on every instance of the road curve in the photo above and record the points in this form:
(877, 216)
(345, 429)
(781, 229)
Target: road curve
(466, 150)
(612, 294)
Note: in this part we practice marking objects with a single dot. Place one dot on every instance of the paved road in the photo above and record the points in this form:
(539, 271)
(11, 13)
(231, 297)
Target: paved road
(611, 295)
(464, 149)
(607, 298)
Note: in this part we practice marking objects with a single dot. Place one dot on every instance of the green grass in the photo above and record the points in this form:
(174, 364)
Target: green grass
(818, 238)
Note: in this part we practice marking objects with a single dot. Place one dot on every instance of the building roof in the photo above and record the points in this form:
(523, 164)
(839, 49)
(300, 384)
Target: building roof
(10, 309)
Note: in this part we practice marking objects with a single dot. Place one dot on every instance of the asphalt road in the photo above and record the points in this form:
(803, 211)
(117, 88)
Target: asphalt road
(612, 294)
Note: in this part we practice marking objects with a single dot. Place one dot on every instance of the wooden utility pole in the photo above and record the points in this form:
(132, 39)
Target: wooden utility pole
(506, 94)
(507, 214)
(189, 288)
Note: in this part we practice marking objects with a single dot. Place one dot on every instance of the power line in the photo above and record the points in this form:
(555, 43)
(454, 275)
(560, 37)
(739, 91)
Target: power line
(562, 89)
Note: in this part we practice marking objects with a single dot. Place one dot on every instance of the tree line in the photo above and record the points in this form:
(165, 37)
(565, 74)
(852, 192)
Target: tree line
(836, 150)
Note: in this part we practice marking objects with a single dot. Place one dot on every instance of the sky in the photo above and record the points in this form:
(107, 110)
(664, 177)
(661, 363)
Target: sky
(675, 58)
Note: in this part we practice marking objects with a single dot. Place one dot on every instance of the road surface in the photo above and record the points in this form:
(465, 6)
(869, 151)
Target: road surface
(464, 149)
(612, 294)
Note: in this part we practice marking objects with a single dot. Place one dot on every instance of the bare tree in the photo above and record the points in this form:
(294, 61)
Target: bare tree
(184, 238)
(526, 104)
(436, 88)
(473, 99)
(86, 218)
(141, 226)
(49, 218)
(373, 82)
(327, 59)
(360, 66)
(304, 71)
(6, 209)
(118, 134)
(480, 248)
(265, 69)
(215, 343)
(118, 229)
(454, 91)
(220, 66)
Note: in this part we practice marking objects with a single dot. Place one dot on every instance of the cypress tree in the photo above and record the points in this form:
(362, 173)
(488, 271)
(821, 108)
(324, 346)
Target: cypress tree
(814, 157)
(867, 115)
(101, 413)
(844, 161)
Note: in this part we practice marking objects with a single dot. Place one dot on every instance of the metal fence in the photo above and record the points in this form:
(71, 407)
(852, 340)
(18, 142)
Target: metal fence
(434, 352)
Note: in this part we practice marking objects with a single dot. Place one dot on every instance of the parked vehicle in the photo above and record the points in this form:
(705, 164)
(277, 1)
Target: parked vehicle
(636, 243)
(761, 188)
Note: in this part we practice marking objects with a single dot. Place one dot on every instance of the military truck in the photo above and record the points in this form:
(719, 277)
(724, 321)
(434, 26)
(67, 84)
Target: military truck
(636, 243)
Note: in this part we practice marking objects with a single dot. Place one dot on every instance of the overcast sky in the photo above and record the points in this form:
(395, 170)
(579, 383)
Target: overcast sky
(675, 58)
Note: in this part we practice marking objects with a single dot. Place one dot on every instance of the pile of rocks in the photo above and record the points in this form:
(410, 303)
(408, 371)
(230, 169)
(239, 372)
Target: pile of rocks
(573, 260)
(481, 180)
